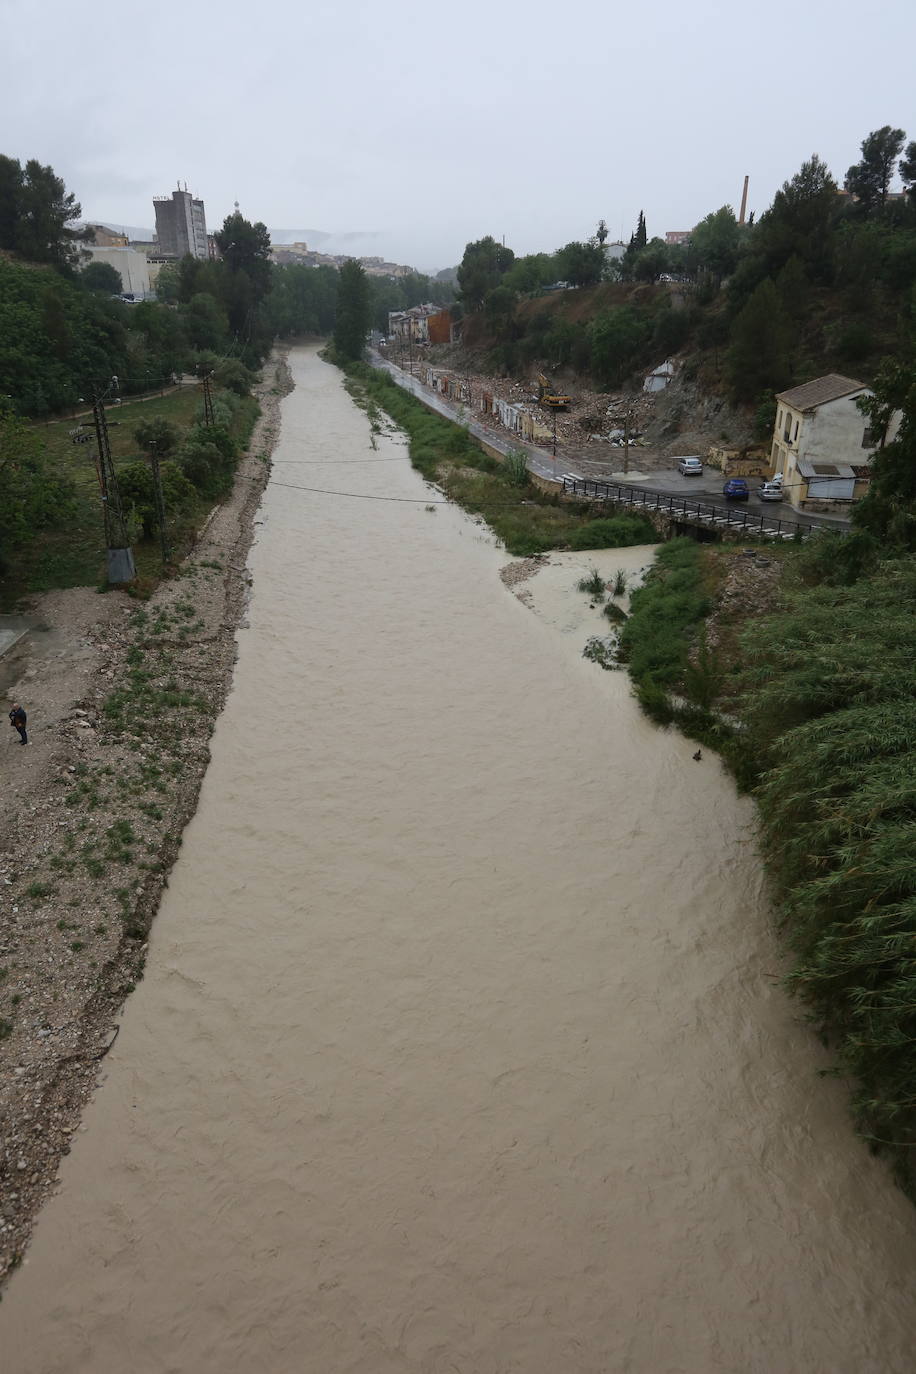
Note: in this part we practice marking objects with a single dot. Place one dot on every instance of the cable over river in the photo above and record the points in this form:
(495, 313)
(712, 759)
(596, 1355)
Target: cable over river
(460, 1046)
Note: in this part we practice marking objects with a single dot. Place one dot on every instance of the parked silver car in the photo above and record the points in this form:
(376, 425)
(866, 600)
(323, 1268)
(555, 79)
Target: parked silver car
(690, 467)
(770, 491)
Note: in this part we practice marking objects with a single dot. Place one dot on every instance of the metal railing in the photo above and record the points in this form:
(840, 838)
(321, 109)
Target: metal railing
(702, 513)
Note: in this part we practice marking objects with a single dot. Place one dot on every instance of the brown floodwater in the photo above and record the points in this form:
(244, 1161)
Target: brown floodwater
(460, 1046)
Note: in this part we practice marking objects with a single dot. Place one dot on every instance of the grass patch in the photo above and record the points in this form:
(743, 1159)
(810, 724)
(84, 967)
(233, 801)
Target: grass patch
(613, 532)
(664, 617)
(594, 585)
(74, 555)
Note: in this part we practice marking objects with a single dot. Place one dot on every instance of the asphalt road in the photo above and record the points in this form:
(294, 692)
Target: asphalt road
(540, 461)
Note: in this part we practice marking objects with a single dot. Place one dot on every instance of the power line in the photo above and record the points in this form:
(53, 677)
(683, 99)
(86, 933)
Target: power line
(337, 462)
(361, 496)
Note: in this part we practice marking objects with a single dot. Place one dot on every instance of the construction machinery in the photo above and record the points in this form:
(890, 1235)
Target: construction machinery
(549, 397)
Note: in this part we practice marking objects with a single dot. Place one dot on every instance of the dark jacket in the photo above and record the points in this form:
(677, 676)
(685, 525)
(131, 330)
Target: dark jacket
(18, 717)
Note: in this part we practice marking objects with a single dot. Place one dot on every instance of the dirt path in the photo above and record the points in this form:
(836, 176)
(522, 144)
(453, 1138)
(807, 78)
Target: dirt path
(122, 698)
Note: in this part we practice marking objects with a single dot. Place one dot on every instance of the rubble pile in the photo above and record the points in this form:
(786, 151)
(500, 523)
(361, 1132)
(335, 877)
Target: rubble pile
(665, 423)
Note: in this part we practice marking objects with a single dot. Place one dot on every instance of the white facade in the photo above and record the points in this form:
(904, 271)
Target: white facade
(822, 443)
(130, 265)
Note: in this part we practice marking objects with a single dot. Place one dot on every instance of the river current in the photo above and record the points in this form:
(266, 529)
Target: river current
(460, 1046)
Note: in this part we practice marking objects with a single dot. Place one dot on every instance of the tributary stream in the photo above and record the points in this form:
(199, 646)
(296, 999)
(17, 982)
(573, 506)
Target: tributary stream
(460, 1046)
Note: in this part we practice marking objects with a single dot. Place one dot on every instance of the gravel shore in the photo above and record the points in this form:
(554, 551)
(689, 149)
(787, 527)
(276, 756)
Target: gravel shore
(122, 698)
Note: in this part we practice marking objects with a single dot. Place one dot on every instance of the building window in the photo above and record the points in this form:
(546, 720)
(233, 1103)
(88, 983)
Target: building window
(795, 433)
(779, 420)
(869, 438)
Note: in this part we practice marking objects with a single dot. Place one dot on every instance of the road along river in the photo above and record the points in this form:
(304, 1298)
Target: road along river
(459, 1046)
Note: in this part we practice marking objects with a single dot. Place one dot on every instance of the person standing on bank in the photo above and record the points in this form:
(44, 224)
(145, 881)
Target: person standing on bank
(18, 719)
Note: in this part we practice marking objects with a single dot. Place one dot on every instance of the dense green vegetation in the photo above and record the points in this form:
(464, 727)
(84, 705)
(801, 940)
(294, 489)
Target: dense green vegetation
(822, 281)
(664, 613)
(829, 706)
(812, 707)
(527, 520)
(51, 528)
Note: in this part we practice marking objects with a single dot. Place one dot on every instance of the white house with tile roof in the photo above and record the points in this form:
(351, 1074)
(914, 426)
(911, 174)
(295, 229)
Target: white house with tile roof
(822, 443)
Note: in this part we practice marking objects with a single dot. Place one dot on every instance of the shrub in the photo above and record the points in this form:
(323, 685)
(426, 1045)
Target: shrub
(515, 468)
(234, 376)
(136, 484)
(613, 532)
(593, 584)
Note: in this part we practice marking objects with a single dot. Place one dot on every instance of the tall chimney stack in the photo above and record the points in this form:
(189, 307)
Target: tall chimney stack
(743, 202)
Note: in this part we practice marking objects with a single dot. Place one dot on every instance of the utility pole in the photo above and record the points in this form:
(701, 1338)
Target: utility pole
(119, 556)
(208, 401)
(554, 414)
(626, 441)
(160, 504)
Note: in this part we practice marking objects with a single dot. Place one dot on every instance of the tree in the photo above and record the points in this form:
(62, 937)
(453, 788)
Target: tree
(135, 482)
(650, 262)
(245, 247)
(101, 276)
(10, 190)
(531, 273)
(234, 376)
(32, 497)
(601, 233)
(869, 179)
(353, 311)
(207, 459)
(499, 308)
(581, 264)
(484, 264)
(36, 211)
(758, 359)
(638, 240)
(167, 283)
(617, 337)
(714, 243)
(799, 221)
(889, 508)
(157, 436)
(907, 170)
(205, 322)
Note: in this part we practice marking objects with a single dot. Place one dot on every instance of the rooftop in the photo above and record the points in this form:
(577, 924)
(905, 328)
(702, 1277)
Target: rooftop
(822, 389)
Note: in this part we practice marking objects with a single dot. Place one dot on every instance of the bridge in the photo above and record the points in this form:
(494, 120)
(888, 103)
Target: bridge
(685, 510)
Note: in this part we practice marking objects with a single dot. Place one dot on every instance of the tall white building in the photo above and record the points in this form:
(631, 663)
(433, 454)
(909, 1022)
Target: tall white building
(181, 225)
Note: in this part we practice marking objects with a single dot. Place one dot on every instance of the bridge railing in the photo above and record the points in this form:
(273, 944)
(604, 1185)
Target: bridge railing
(687, 508)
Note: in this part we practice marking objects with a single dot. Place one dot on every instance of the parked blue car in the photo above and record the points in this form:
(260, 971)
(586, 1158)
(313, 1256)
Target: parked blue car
(736, 489)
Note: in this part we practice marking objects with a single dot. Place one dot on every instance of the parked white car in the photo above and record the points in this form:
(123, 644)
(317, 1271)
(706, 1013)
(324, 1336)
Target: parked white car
(771, 491)
(690, 467)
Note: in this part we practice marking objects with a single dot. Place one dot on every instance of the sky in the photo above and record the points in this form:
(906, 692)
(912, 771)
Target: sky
(407, 129)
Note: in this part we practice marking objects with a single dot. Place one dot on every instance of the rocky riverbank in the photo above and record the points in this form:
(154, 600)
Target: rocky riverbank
(122, 699)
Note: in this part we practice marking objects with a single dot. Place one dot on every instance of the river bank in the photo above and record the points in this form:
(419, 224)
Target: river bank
(122, 697)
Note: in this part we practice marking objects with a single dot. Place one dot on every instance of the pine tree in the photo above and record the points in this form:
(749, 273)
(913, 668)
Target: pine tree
(353, 311)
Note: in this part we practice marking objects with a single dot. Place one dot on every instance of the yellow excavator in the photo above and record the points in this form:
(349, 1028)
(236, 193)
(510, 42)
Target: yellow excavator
(548, 396)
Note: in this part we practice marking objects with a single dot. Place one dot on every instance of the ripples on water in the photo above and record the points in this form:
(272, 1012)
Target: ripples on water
(459, 1047)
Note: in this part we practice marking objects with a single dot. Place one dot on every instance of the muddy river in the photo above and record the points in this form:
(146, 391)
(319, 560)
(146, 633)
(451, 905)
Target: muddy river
(460, 1046)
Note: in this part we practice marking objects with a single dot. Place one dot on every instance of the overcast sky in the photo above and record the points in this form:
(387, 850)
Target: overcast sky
(418, 126)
